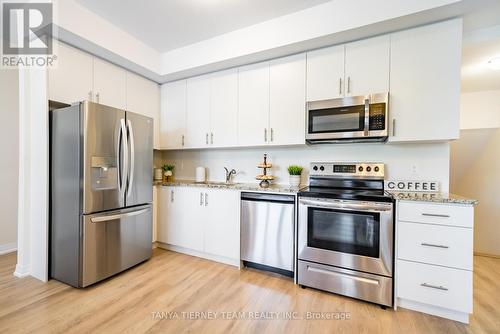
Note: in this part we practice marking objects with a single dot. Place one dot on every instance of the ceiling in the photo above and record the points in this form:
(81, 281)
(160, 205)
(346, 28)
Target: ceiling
(476, 74)
(481, 43)
(169, 24)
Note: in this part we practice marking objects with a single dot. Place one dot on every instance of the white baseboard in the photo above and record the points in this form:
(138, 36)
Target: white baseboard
(22, 271)
(8, 248)
(216, 258)
(434, 310)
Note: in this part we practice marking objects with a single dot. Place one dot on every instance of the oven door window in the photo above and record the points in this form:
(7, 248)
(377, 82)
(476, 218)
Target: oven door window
(353, 232)
(345, 119)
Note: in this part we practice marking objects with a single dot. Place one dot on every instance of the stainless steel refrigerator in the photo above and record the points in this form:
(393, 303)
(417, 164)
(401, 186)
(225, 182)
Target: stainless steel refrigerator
(100, 190)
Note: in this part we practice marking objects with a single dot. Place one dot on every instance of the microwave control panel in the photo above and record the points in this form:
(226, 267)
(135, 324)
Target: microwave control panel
(377, 116)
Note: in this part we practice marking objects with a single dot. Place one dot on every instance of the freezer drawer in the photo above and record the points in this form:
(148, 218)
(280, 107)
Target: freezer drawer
(115, 241)
(267, 230)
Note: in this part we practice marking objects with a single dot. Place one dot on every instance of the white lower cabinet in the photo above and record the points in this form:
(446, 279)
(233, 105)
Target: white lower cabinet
(200, 221)
(434, 265)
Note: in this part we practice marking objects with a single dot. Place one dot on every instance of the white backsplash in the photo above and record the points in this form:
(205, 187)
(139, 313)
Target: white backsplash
(428, 162)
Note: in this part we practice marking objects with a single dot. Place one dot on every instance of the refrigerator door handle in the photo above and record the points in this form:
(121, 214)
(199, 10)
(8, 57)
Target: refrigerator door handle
(132, 158)
(118, 216)
(122, 163)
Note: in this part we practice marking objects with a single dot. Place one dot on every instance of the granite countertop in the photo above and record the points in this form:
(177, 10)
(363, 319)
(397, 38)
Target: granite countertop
(277, 188)
(433, 198)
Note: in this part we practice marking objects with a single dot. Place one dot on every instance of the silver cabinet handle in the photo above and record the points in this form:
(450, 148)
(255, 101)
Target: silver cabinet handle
(132, 158)
(348, 85)
(346, 206)
(206, 199)
(172, 196)
(435, 215)
(340, 86)
(211, 137)
(201, 198)
(438, 287)
(265, 134)
(272, 134)
(206, 139)
(97, 97)
(182, 140)
(434, 245)
(393, 127)
(118, 216)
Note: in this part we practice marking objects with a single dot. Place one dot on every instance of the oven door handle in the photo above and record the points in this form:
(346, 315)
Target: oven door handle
(346, 206)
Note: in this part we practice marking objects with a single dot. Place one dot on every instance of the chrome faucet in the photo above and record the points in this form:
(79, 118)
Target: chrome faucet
(229, 173)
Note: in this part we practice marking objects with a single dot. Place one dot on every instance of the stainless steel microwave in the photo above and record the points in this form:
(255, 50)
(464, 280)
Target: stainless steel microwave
(349, 119)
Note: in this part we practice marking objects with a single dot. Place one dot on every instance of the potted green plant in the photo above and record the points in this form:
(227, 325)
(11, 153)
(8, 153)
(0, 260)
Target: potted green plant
(168, 172)
(294, 171)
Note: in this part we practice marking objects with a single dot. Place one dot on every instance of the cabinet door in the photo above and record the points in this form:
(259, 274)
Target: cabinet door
(143, 97)
(287, 100)
(224, 108)
(169, 216)
(325, 73)
(253, 104)
(191, 202)
(367, 66)
(173, 115)
(425, 82)
(222, 223)
(198, 112)
(71, 80)
(110, 84)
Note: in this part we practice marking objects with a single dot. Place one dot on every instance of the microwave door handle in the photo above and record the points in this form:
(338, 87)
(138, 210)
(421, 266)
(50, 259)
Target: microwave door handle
(347, 206)
(367, 116)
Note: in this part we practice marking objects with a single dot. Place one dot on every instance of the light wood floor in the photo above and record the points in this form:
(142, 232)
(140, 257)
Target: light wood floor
(172, 282)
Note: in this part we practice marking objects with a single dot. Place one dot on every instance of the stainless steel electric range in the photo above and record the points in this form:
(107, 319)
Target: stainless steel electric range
(346, 232)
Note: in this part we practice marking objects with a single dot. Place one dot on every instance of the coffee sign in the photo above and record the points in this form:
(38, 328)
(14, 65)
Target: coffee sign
(412, 186)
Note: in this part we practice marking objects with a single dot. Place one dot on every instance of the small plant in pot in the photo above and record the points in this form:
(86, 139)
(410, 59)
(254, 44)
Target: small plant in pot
(295, 171)
(168, 172)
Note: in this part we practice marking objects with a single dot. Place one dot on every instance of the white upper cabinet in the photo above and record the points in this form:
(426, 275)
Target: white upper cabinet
(173, 115)
(224, 108)
(253, 104)
(143, 97)
(325, 73)
(425, 82)
(198, 112)
(287, 100)
(71, 80)
(110, 84)
(367, 66)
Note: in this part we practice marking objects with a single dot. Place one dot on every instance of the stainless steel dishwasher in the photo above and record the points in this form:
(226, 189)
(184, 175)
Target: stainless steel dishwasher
(267, 232)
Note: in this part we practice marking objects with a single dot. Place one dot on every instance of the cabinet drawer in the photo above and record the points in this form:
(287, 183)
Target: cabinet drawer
(435, 244)
(442, 214)
(434, 285)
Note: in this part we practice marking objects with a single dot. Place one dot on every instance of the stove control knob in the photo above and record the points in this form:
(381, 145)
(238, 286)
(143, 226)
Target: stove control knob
(315, 167)
(360, 168)
(376, 169)
(322, 168)
(368, 169)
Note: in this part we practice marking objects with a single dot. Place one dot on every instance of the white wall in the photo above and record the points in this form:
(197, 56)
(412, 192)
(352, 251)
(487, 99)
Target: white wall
(477, 152)
(475, 162)
(9, 151)
(480, 110)
(431, 161)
